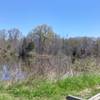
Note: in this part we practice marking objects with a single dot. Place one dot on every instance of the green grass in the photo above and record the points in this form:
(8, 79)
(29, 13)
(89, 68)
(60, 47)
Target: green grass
(44, 90)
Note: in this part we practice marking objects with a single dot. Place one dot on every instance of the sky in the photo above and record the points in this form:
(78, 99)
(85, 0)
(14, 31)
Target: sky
(70, 18)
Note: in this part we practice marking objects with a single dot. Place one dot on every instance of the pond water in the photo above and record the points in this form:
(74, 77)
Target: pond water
(14, 72)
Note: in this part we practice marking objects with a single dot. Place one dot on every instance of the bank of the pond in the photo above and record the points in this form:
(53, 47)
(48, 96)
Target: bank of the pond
(40, 89)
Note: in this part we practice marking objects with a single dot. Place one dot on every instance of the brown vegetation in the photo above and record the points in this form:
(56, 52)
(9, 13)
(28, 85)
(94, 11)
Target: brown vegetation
(43, 52)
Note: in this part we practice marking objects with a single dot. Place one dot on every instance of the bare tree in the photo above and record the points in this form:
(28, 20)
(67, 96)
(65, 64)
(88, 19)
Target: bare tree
(40, 35)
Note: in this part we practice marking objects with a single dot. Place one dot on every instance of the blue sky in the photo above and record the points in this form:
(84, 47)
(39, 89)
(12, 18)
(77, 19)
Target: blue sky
(67, 17)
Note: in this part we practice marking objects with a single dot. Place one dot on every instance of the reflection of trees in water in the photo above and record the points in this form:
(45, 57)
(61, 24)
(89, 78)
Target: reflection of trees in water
(12, 71)
(5, 73)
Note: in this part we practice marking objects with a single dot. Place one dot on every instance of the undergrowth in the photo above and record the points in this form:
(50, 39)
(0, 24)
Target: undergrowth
(43, 89)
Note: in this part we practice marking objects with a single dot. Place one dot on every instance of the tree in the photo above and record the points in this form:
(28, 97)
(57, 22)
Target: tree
(14, 34)
(14, 38)
(41, 35)
(3, 37)
(26, 47)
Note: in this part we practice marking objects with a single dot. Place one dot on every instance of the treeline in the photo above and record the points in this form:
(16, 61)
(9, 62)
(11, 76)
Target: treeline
(43, 51)
(43, 40)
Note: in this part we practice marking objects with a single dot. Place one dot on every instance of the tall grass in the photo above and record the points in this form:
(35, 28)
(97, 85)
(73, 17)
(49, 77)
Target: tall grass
(36, 89)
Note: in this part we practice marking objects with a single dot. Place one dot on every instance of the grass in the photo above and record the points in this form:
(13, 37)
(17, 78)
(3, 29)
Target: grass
(39, 89)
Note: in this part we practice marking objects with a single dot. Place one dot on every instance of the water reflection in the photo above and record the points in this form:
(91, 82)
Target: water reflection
(10, 72)
(5, 73)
